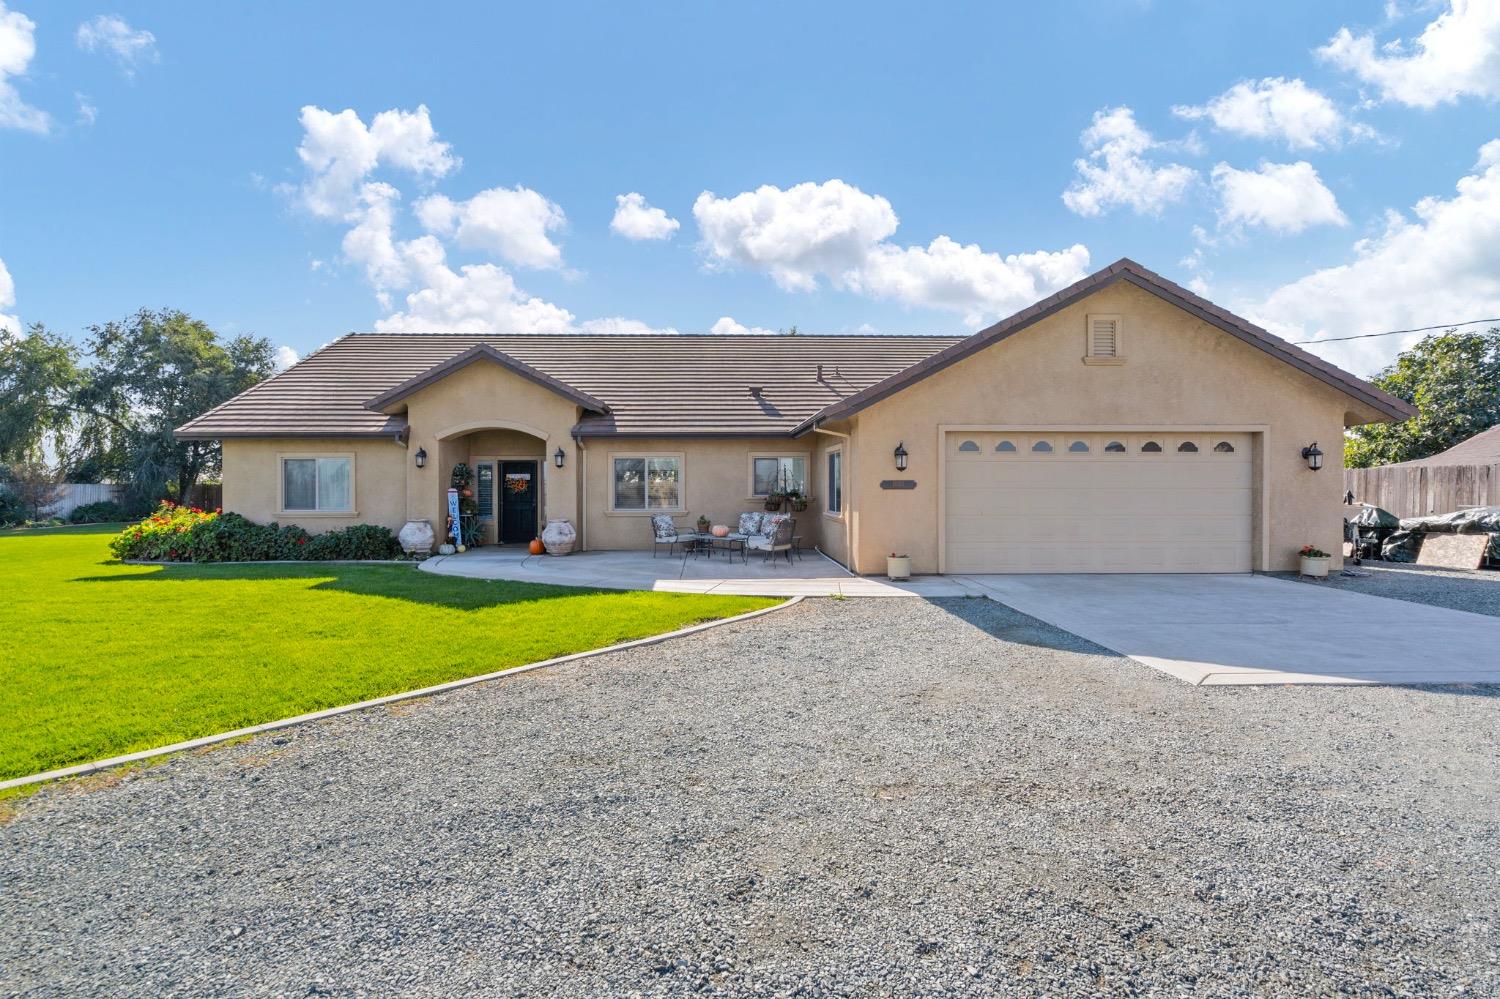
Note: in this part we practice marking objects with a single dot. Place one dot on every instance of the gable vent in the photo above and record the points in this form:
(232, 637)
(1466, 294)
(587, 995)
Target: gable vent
(1104, 337)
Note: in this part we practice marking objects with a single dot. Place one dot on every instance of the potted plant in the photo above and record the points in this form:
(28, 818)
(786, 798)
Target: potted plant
(1314, 561)
(704, 523)
(773, 501)
(797, 499)
(898, 566)
(462, 479)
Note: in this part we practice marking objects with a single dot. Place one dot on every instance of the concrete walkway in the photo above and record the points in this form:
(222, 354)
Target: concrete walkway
(1257, 630)
(813, 575)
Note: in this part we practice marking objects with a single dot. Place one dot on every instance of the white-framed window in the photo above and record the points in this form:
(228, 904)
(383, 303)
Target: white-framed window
(1102, 340)
(646, 482)
(777, 473)
(835, 502)
(317, 484)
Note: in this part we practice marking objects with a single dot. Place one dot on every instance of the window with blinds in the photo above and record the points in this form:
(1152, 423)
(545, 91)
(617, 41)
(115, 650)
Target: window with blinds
(1103, 340)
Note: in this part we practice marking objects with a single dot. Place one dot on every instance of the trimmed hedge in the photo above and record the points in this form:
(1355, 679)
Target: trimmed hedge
(99, 513)
(186, 534)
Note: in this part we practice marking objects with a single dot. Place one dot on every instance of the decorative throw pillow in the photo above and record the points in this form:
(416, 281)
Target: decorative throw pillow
(750, 523)
(662, 527)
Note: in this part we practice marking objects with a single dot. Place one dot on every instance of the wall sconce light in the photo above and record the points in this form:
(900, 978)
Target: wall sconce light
(1313, 455)
(901, 457)
(557, 457)
(420, 457)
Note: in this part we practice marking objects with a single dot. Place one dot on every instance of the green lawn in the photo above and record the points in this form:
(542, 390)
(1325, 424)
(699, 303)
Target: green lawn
(99, 658)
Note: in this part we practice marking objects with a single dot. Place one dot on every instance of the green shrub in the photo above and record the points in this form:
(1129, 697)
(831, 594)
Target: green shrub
(98, 513)
(186, 534)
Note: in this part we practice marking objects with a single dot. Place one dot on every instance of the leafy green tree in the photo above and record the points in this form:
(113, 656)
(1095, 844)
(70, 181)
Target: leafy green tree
(151, 373)
(1454, 381)
(39, 375)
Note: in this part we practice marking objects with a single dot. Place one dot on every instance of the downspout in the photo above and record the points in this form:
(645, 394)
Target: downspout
(848, 511)
(583, 493)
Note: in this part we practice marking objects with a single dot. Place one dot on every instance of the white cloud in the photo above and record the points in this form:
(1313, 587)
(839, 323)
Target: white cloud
(512, 223)
(17, 47)
(835, 232)
(113, 35)
(1457, 55)
(619, 324)
(1443, 265)
(635, 219)
(8, 324)
(340, 151)
(87, 112)
(726, 326)
(1116, 172)
(1283, 197)
(284, 357)
(1276, 109)
(477, 298)
(796, 234)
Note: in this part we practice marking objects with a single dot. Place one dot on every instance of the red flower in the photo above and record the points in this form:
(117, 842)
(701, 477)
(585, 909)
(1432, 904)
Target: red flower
(301, 541)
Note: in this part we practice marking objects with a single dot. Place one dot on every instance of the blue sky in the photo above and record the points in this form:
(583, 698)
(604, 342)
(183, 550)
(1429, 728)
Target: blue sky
(1271, 154)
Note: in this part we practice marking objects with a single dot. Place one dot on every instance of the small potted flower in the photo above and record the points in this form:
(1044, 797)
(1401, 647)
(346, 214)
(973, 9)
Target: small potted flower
(1314, 561)
(704, 523)
(774, 501)
(898, 566)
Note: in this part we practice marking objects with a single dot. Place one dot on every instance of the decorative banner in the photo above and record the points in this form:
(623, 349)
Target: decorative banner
(453, 517)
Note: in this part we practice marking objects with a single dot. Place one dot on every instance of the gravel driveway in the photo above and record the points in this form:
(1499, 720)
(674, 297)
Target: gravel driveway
(1470, 590)
(871, 797)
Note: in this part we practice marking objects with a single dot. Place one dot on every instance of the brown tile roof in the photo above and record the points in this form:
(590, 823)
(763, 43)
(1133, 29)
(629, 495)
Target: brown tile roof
(1129, 271)
(1481, 449)
(651, 384)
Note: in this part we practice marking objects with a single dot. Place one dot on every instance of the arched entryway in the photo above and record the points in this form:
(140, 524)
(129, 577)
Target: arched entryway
(506, 464)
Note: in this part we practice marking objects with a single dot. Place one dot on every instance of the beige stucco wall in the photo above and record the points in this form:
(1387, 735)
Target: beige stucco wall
(1179, 372)
(252, 481)
(716, 482)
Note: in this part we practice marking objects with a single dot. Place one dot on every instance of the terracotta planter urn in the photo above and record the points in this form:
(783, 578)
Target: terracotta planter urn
(559, 537)
(416, 537)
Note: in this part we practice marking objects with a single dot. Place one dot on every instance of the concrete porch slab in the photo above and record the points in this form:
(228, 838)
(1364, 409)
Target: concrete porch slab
(1240, 629)
(813, 575)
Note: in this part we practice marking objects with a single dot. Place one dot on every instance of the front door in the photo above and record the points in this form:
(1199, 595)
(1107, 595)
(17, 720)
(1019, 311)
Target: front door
(518, 491)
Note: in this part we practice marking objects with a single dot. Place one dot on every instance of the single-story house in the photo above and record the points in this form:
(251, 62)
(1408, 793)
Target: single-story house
(1123, 424)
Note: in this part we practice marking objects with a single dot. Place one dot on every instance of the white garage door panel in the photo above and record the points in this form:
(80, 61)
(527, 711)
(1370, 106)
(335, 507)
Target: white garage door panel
(1076, 510)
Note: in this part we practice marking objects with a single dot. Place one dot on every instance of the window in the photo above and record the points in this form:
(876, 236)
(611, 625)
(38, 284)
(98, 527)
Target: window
(968, 446)
(835, 482)
(778, 474)
(1041, 447)
(1078, 447)
(1151, 447)
(1005, 446)
(1102, 344)
(648, 483)
(1115, 447)
(317, 484)
(1187, 447)
(1224, 447)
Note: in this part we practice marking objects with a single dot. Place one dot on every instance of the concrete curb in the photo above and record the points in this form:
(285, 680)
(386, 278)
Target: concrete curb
(441, 688)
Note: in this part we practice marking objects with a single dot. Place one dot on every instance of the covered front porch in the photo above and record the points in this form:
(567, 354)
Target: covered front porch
(813, 575)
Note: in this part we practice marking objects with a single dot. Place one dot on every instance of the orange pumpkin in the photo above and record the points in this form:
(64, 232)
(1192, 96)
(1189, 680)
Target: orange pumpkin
(536, 546)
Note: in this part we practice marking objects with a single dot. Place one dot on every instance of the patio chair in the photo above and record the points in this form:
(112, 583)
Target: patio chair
(664, 532)
(778, 539)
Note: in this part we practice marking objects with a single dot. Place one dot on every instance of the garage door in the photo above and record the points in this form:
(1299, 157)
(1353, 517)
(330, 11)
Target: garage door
(1097, 502)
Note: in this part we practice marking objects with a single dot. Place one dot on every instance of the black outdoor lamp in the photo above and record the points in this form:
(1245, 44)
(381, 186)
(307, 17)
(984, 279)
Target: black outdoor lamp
(421, 457)
(1314, 456)
(901, 457)
(557, 457)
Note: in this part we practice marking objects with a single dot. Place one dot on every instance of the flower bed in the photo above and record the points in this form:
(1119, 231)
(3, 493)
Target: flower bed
(187, 534)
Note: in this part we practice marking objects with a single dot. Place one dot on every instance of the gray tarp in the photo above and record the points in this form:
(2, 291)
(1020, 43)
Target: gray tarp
(1406, 544)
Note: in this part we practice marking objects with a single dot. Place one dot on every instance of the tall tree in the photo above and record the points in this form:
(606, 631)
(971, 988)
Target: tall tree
(155, 371)
(39, 376)
(1454, 381)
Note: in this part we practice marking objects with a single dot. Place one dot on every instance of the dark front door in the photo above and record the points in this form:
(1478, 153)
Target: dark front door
(518, 488)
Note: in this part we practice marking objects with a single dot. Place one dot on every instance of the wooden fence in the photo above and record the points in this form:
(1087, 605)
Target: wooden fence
(1425, 489)
(72, 495)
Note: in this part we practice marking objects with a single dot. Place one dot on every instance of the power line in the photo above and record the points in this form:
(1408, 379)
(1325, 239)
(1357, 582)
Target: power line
(1420, 329)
